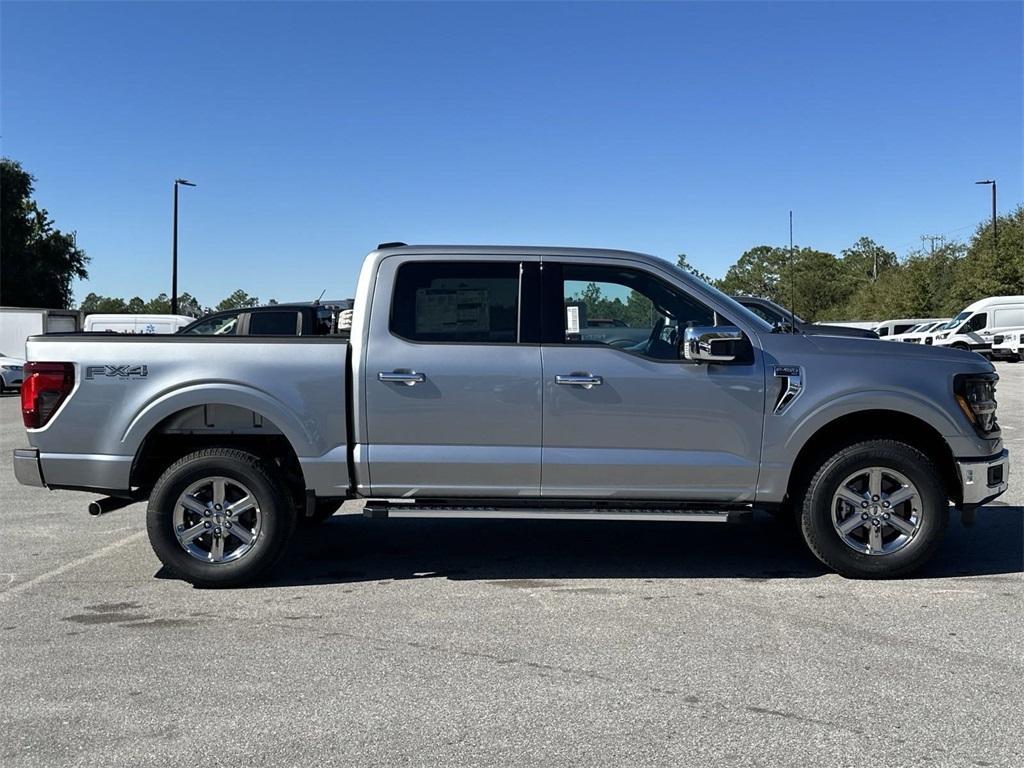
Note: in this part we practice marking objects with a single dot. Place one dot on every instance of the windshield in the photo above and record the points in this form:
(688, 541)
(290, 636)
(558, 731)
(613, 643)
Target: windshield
(737, 309)
(954, 322)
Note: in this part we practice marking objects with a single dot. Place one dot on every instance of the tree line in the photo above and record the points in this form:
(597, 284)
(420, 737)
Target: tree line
(866, 281)
(161, 305)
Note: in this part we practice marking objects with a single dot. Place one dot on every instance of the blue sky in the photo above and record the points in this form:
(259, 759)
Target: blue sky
(317, 130)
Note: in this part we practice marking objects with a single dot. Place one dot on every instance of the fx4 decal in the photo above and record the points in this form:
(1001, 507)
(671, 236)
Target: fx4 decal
(117, 371)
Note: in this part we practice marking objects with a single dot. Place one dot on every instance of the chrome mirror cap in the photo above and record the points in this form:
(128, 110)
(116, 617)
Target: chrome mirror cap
(708, 344)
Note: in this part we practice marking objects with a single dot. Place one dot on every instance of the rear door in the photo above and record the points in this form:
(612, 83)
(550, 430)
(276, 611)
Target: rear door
(630, 420)
(452, 378)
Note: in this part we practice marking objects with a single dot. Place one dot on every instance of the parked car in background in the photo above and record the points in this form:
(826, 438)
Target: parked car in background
(866, 325)
(919, 333)
(779, 316)
(1009, 344)
(129, 323)
(887, 328)
(313, 318)
(975, 327)
(11, 372)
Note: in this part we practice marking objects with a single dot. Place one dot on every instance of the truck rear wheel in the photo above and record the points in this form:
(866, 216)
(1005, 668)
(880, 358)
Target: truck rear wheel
(877, 509)
(220, 517)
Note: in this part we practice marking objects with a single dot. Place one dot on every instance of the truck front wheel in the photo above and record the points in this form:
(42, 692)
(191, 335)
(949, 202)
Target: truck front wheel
(876, 509)
(220, 517)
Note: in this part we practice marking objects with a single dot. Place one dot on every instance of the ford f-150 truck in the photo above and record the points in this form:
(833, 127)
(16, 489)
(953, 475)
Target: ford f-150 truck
(469, 388)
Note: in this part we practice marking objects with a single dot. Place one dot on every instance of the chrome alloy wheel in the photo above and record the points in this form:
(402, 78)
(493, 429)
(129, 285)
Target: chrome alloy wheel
(217, 520)
(876, 511)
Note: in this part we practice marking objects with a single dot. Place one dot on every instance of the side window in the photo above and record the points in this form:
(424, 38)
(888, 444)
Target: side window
(976, 323)
(219, 325)
(638, 312)
(764, 314)
(882, 330)
(902, 328)
(456, 301)
(276, 323)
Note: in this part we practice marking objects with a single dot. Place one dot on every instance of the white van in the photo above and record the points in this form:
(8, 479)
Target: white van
(979, 322)
(918, 333)
(888, 328)
(1008, 345)
(136, 323)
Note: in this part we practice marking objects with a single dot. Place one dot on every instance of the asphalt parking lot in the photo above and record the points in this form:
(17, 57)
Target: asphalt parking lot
(517, 643)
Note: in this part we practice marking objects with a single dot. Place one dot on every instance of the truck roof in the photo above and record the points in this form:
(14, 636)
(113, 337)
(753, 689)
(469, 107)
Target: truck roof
(523, 250)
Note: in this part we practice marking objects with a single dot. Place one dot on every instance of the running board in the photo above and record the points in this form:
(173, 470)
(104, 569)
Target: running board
(379, 509)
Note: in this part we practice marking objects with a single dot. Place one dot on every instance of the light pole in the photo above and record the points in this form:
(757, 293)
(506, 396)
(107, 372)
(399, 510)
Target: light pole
(995, 234)
(174, 256)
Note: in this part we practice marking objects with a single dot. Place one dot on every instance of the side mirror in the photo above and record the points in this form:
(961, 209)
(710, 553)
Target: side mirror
(704, 344)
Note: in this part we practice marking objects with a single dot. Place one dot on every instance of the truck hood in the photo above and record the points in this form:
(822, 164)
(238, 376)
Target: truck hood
(912, 353)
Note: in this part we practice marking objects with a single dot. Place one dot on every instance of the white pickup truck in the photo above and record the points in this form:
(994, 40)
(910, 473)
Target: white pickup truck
(472, 386)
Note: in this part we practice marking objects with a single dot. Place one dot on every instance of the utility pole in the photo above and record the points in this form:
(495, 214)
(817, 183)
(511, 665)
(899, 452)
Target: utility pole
(931, 242)
(995, 232)
(174, 247)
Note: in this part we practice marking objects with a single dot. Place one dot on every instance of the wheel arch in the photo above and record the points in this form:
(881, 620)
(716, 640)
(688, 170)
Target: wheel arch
(192, 428)
(858, 426)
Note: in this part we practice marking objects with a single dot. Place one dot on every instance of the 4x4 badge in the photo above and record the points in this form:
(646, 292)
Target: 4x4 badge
(117, 371)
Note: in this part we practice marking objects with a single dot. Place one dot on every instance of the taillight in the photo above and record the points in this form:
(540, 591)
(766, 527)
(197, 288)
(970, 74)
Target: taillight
(43, 390)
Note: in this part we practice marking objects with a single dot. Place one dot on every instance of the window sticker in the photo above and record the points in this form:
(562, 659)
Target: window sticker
(440, 310)
(572, 319)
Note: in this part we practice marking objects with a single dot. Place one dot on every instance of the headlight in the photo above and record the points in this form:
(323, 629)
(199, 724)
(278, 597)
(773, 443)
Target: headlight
(976, 395)
(11, 367)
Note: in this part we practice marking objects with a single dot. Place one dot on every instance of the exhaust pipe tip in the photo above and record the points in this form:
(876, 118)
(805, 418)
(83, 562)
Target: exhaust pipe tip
(108, 504)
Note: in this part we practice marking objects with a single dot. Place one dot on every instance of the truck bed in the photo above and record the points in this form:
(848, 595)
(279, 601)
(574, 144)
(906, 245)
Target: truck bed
(130, 388)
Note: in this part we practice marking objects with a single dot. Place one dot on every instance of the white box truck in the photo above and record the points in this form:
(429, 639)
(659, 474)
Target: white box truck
(18, 323)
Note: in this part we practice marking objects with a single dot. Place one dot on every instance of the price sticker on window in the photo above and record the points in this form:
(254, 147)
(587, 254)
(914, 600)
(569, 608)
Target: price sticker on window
(572, 319)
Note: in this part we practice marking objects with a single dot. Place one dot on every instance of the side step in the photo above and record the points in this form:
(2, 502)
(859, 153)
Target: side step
(382, 509)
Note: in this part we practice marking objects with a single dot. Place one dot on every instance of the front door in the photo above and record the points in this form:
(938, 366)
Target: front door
(452, 386)
(624, 417)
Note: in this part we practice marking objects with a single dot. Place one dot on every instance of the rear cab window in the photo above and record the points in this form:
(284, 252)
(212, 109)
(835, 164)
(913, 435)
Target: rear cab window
(456, 302)
(274, 323)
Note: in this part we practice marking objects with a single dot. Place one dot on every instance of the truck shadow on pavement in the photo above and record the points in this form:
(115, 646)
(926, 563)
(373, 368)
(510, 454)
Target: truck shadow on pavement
(350, 548)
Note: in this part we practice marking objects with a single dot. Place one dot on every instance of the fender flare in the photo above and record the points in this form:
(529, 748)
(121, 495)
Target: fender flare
(851, 403)
(301, 436)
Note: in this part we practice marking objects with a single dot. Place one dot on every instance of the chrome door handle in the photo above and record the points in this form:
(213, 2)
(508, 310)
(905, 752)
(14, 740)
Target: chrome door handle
(585, 380)
(409, 378)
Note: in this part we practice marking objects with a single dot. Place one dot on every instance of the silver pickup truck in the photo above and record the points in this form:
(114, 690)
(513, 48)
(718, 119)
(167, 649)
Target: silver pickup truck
(468, 388)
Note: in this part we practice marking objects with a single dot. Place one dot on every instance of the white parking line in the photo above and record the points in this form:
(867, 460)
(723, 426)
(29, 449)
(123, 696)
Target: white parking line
(18, 588)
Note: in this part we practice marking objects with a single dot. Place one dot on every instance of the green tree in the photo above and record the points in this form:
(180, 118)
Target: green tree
(813, 284)
(684, 263)
(866, 259)
(94, 304)
(187, 305)
(38, 261)
(758, 272)
(988, 270)
(238, 300)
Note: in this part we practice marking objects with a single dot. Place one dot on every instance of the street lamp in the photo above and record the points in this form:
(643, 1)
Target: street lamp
(174, 256)
(995, 234)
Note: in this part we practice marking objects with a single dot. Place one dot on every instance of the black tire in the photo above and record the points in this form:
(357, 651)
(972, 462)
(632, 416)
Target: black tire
(815, 506)
(264, 482)
(961, 346)
(325, 508)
